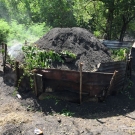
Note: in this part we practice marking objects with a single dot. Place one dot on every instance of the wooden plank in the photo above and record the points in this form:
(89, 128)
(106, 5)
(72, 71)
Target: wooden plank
(74, 76)
(81, 64)
(38, 84)
(111, 82)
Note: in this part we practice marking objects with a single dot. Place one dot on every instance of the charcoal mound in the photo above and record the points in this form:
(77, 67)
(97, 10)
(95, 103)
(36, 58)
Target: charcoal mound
(89, 50)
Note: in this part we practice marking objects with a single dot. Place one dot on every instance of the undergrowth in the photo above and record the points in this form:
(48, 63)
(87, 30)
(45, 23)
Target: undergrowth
(35, 58)
(4, 31)
(13, 32)
(119, 54)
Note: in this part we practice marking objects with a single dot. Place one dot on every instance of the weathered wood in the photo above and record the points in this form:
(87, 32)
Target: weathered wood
(2, 53)
(93, 84)
(17, 73)
(112, 82)
(130, 67)
(81, 64)
(4, 57)
(35, 85)
(38, 84)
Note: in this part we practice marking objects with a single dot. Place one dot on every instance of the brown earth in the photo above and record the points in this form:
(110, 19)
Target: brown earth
(115, 116)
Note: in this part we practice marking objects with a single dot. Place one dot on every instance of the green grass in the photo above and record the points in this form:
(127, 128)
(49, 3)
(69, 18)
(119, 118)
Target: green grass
(66, 112)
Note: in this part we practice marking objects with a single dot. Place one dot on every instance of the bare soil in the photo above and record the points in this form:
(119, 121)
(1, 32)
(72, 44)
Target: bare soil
(115, 116)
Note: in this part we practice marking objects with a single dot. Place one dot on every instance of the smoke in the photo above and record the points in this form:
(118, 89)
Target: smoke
(29, 33)
(15, 51)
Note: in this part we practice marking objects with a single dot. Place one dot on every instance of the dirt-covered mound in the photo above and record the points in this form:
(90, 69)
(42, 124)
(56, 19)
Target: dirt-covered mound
(88, 49)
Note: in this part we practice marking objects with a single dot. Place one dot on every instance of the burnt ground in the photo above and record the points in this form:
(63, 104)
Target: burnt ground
(79, 41)
(114, 116)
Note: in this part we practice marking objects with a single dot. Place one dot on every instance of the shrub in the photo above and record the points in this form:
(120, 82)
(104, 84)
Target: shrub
(30, 33)
(119, 54)
(4, 31)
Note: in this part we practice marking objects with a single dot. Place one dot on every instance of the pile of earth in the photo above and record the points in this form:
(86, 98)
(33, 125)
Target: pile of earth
(89, 50)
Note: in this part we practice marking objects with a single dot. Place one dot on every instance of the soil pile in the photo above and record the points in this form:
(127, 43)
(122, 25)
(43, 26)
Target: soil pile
(88, 49)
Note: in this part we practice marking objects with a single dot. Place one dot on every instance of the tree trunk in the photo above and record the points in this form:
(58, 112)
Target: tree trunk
(109, 22)
(123, 30)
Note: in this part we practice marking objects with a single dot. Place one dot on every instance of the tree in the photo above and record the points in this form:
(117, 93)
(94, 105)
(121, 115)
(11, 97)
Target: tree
(4, 13)
(4, 31)
(111, 18)
(57, 13)
(119, 14)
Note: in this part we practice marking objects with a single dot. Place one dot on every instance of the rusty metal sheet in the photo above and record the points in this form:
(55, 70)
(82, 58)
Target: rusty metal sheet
(58, 74)
(74, 76)
(93, 83)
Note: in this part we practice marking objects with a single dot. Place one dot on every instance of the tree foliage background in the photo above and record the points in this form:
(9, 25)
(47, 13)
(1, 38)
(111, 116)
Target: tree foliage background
(109, 19)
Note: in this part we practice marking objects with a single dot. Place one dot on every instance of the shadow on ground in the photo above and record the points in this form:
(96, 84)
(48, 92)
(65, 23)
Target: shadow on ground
(120, 104)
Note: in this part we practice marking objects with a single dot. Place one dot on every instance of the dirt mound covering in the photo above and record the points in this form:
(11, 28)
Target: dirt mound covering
(88, 49)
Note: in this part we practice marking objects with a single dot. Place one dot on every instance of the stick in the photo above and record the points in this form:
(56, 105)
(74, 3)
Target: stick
(111, 82)
(5, 54)
(2, 54)
(81, 64)
(35, 84)
(130, 68)
(17, 73)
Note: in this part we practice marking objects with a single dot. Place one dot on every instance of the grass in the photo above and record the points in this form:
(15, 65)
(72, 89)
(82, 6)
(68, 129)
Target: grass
(13, 113)
(66, 112)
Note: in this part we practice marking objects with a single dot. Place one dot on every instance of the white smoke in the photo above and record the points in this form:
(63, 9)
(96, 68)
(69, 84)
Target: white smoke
(15, 51)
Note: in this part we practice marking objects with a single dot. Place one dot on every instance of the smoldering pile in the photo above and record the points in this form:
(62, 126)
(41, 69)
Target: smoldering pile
(87, 48)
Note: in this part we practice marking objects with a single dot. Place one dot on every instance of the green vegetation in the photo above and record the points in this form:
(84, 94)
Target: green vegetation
(36, 58)
(14, 31)
(105, 18)
(126, 91)
(69, 54)
(48, 97)
(22, 32)
(119, 54)
(66, 112)
(4, 31)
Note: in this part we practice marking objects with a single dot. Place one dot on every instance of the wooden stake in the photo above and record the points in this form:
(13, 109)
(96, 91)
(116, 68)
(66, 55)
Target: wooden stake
(35, 84)
(17, 73)
(111, 83)
(81, 64)
(4, 58)
(3, 54)
(130, 68)
(38, 84)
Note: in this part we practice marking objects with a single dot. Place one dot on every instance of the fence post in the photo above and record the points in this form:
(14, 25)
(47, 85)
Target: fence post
(81, 64)
(38, 84)
(17, 73)
(111, 82)
(130, 68)
(4, 47)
